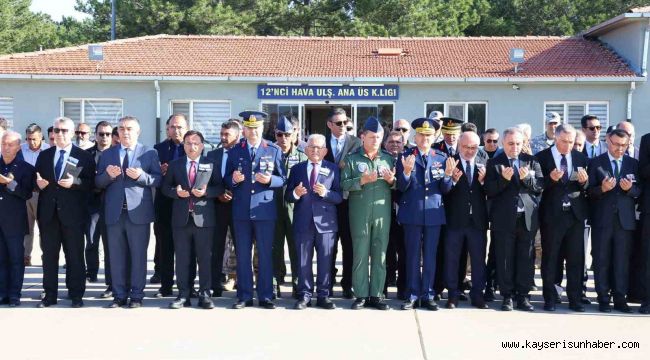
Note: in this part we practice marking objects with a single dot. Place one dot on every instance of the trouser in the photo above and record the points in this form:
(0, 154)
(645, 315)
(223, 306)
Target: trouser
(611, 247)
(347, 248)
(165, 250)
(324, 245)
(563, 240)
(396, 257)
(12, 266)
(128, 242)
(283, 230)
(262, 231)
(93, 235)
(193, 243)
(474, 240)
(514, 258)
(224, 222)
(421, 243)
(55, 235)
(491, 265)
(32, 206)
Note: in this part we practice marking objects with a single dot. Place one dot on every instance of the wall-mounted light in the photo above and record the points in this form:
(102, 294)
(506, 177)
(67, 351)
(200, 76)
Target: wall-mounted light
(515, 87)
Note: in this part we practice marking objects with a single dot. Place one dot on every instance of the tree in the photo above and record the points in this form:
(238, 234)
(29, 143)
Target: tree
(22, 30)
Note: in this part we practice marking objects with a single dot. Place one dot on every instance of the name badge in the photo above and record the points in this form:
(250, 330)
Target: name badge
(324, 171)
(205, 167)
(631, 177)
(72, 161)
(362, 167)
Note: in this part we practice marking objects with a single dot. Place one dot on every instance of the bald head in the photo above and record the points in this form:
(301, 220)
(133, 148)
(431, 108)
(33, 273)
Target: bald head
(468, 144)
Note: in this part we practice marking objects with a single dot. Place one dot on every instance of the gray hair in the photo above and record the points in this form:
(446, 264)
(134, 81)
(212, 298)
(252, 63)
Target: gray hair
(316, 137)
(525, 128)
(398, 120)
(12, 133)
(64, 120)
(580, 133)
(565, 128)
(513, 130)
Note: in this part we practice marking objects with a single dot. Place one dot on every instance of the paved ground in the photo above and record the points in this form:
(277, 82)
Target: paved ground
(156, 332)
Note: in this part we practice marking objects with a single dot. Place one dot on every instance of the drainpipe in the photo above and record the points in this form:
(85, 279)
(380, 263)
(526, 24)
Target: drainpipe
(629, 100)
(157, 87)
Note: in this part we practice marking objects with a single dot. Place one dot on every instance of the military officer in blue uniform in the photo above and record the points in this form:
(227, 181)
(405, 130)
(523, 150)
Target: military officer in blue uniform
(423, 176)
(16, 185)
(253, 171)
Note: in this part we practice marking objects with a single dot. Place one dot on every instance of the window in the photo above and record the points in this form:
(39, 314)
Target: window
(572, 112)
(204, 116)
(274, 111)
(474, 112)
(92, 111)
(7, 110)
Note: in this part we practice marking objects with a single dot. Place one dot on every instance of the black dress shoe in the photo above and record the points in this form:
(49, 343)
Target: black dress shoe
(644, 309)
(155, 279)
(451, 304)
(623, 307)
(358, 304)
(325, 303)
(205, 302)
(506, 305)
(429, 304)
(46, 303)
(577, 307)
(218, 292)
(240, 304)
(14, 302)
(604, 307)
(436, 297)
(4, 301)
(524, 304)
(161, 293)
(267, 304)
(295, 294)
(462, 297)
(409, 305)
(347, 294)
(549, 306)
(194, 294)
(479, 303)
(302, 304)
(135, 303)
(179, 302)
(489, 295)
(533, 288)
(77, 303)
(116, 303)
(106, 294)
(378, 303)
(585, 300)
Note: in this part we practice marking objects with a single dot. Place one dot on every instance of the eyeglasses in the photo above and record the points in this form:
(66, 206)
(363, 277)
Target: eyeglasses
(339, 123)
(315, 148)
(402, 129)
(81, 132)
(281, 134)
(594, 128)
(59, 130)
(103, 134)
(349, 128)
(490, 141)
(192, 144)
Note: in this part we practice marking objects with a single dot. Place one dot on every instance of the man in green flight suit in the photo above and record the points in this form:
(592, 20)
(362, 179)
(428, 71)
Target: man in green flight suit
(291, 155)
(368, 176)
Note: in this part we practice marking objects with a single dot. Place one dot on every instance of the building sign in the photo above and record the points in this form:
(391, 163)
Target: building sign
(306, 92)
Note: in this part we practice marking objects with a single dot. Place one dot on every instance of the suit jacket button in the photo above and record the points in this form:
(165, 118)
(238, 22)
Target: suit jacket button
(252, 191)
(426, 189)
(426, 197)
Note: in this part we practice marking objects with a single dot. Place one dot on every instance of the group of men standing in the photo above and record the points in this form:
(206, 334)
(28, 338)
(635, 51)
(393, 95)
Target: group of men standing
(426, 206)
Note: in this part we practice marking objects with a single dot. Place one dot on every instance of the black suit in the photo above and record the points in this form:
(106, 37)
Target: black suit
(644, 206)
(514, 231)
(96, 230)
(224, 222)
(613, 223)
(563, 226)
(62, 215)
(351, 144)
(466, 215)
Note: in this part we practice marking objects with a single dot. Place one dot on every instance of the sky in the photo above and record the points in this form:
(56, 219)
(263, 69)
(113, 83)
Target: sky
(57, 8)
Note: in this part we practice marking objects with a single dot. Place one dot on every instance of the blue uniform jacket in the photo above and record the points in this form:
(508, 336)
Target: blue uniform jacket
(13, 208)
(421, 201)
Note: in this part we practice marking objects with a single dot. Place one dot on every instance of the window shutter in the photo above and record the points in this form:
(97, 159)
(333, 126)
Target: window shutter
(7, 110)
(72, 110)
(102, 110)
(207, 118)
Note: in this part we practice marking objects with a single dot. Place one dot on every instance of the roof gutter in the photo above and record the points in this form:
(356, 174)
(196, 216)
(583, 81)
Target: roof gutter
(156, 86)
(629, 100)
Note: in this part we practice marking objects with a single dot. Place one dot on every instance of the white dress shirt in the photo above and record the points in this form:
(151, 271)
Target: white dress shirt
(557, 157)
(30, 155)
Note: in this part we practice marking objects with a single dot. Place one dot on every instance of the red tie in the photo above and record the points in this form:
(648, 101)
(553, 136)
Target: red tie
(312, 178)
(192, 178)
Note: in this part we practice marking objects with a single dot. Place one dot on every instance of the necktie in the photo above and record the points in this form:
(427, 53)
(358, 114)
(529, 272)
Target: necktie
(515, 178)
(252, 153)
(59, 165)
(339, 147)
(175, 152)
(192, 177)
(313, 176)
(617, 170)
(593, 151)
(564, 167)
(424, 160)
(125, 162)
(468, 172)
(452, 151)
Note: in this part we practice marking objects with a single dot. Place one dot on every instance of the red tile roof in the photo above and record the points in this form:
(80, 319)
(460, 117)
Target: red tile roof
(459, 57)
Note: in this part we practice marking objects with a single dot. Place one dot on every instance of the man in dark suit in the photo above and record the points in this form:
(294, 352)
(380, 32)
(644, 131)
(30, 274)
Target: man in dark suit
(644, 174)
(253, 172)
(563, 209)
(466, 212)
(313, 186)
(230, 133)
(513, 183)
(193, 183)
(128, 173)
(613, 191)
(168, 150)
(591, 128)
(339, 145)
(64, 175)
(16, 185)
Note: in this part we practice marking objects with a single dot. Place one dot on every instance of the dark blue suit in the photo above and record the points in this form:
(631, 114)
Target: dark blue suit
(254, 212)
(613, 225)
(129, 212)
(13, 226)
(421, 211)
(315, 224)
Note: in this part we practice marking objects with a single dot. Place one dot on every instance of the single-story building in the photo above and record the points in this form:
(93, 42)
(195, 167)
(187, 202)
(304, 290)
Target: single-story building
(212, 78)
